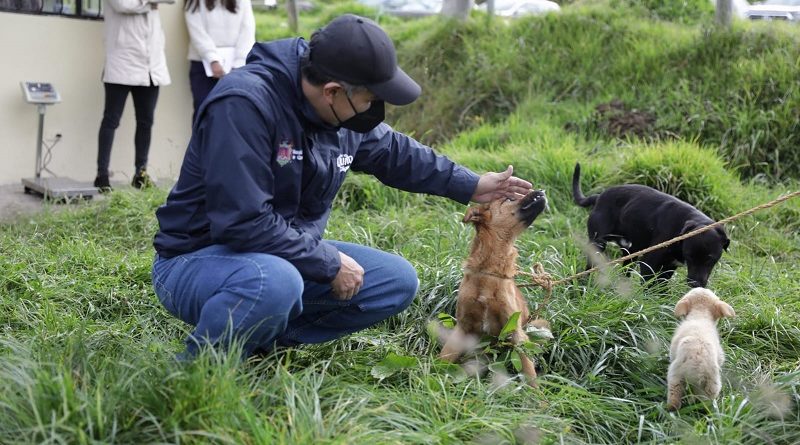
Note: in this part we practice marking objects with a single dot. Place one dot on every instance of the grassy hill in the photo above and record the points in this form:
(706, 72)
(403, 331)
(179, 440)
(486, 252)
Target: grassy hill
(86, 349)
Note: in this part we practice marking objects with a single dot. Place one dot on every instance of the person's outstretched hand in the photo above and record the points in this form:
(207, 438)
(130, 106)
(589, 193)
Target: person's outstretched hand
(498, 185)
(349, 279)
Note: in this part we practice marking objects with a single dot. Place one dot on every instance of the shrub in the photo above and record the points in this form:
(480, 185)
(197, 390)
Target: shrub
(735, 90)
(697, 176)
(685, 11)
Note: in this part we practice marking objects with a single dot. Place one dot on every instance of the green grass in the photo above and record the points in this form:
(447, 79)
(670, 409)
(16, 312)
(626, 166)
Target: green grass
(733, 90)
(86, 349)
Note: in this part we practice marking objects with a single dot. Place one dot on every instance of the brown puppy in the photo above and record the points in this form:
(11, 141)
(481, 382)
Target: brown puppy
(488, 296)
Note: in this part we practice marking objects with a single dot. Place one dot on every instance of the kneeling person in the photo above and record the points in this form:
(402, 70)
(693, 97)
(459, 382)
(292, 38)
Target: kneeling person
(240, 253)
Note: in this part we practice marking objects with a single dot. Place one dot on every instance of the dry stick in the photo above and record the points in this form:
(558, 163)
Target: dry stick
(544, 280)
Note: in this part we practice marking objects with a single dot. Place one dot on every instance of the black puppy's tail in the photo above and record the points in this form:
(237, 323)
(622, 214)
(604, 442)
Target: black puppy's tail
(577, 194)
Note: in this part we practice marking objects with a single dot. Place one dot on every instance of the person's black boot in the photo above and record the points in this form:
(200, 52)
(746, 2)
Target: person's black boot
(141, 180)
(102, 184)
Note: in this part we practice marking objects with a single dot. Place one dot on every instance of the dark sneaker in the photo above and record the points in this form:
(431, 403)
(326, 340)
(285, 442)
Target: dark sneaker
(141, 180)
(102, 184)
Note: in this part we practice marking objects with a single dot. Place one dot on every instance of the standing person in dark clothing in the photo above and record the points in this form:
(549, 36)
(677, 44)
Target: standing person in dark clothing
(240, 252)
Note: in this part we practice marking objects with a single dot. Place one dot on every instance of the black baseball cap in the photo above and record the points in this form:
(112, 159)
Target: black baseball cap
(357, 51)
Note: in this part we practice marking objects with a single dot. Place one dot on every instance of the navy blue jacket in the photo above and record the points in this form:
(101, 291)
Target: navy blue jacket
(262, 169)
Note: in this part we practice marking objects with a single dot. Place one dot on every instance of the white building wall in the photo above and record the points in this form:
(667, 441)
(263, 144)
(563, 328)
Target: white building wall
(68, 53)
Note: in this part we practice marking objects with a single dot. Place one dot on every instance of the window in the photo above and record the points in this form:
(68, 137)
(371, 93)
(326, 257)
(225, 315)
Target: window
(69, 8)
(92, 7)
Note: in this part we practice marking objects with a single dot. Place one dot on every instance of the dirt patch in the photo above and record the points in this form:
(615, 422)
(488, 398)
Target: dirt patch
(616, 119)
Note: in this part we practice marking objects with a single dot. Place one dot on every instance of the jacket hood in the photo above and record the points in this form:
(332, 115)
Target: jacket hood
(281, 60)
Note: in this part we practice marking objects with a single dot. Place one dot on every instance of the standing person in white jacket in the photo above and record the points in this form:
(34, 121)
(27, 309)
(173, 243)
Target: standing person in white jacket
(221, 33)
(136, 64)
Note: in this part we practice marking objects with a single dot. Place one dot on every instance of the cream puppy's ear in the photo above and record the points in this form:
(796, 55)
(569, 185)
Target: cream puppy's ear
(724, 310)
(682, 308)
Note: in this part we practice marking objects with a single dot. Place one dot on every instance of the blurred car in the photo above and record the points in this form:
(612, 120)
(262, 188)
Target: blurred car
(301, 5)
(412, 8)
(265, 4)
(517, 8)
(405, 8)
(788, 10)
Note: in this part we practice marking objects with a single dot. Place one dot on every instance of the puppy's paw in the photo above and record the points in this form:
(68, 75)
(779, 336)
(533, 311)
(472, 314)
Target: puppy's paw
(673, 407)
(539, 328)
(541, 323)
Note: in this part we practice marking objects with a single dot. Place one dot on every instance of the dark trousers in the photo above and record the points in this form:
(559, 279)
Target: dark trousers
(200, 83)
(144, 104)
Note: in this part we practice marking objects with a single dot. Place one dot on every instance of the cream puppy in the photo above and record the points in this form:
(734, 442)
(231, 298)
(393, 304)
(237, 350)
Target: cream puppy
(695, 354)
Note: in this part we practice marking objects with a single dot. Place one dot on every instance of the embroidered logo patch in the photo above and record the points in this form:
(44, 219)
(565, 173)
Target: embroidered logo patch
(343, 162)
(285, 149)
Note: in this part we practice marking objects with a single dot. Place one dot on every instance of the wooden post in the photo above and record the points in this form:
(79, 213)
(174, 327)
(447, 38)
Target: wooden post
(724, 15)
(291, 10)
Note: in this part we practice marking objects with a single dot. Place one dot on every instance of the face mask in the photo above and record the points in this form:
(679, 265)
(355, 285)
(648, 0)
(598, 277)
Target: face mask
(363, 122)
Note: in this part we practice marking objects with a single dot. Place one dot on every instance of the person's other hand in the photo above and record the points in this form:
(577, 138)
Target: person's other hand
(498, 185)
(216, 70)
(349, 279)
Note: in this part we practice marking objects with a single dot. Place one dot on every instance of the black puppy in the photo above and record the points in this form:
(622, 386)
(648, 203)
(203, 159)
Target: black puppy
(636, 217)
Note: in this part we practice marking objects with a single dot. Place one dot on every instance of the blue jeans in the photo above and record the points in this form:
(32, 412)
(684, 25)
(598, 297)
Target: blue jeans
(261, 300)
